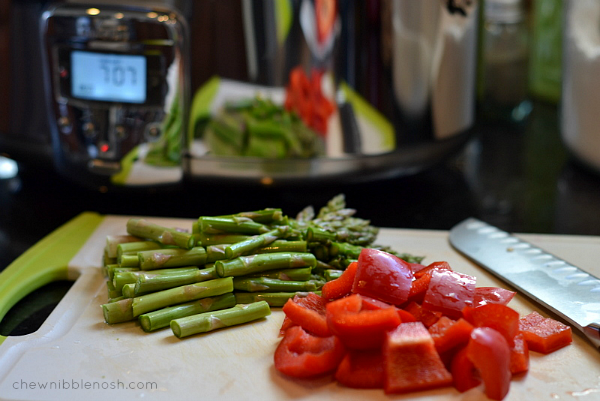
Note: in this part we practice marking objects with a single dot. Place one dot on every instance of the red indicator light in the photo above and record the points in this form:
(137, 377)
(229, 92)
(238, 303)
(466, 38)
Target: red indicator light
(64, 73)
(104, 148)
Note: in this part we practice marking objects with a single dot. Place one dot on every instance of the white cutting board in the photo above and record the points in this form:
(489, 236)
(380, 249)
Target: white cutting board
(75, 348)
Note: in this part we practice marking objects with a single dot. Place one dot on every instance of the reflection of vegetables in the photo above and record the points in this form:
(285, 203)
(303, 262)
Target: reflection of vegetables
(166, 151)
(325, 15)
(305, 97)
(258, 127)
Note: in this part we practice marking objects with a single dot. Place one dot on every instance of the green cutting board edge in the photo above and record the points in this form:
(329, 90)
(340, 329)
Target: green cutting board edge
(46, 261)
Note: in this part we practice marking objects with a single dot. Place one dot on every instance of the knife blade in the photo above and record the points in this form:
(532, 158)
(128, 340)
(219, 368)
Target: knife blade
(570, 292)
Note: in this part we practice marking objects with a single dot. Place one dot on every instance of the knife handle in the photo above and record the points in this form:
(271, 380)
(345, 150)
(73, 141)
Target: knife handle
(46, 261)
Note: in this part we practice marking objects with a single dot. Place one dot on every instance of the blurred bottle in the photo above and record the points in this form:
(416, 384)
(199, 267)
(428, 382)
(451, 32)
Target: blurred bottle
(505, 53)
(545, 69)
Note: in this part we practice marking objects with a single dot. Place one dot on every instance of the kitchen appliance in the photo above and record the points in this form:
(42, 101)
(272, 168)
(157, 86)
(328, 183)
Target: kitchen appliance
(580, 81)
(563, 288)
(401, 75)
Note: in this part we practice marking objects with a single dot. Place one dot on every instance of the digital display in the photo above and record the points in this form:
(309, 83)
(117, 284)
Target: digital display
(108, 77)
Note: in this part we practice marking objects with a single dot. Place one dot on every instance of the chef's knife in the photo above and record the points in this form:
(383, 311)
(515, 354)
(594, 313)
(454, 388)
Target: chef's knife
(566, 290)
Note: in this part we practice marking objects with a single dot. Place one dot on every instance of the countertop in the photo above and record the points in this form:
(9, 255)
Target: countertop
(519, 178)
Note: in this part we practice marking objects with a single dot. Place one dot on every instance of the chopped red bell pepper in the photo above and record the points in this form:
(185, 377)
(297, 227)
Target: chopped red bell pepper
(499, 317)
(302, 355)
(464, 373)
(434, 265)
(360, 327)
(427, 317)
(490, 353)
(341, 286)
(361, 369)
(449, 292)
(448, 334)
(411, 362)
(544, 334)
(519, 355)
(492, 295)
(309, 312)
(382, 276)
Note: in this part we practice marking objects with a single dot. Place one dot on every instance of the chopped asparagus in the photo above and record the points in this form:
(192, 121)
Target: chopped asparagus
(244, 265)
(263, 284)
(230, 224)
(158, 319)
(163, 258)
(166, 236)
(274, 299)
(208, 321)
(247, 246)
(177, 295)
(129, 308)
(113, 241)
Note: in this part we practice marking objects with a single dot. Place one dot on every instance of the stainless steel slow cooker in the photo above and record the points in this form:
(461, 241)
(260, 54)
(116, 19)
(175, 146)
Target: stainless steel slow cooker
(135, 93)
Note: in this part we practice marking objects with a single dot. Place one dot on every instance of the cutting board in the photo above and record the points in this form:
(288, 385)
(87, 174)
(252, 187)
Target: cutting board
(76, 356)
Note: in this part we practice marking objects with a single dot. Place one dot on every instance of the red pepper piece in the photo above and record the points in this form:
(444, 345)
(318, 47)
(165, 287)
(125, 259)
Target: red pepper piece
(490, 353)
(341, 286)
(411, 362)
(492, 295)
(544, 334)
(499, 317)
(361, 369)
(432, 266)
(449, 292)
(464, 373)
(427, 317)
(382, 276)
(519, 355)
(308, 312)
(302, 355)
(359, 327)
(448, 334)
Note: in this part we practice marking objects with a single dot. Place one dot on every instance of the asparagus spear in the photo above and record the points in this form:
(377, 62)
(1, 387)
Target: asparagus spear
(265, 284)
(111, 270)
(230, 224)
(208, 321)
(158, 319)
(118, 311)
(264, 216)
(167, 236)
(243, 265)
(274, 299)
(135, 247)
(112, 241)
(121, 278)
(344, 249)
(162, 258)
(254, 242)
(216, 252)
(146, 284)
(177, 295)
(332, 274)
(281, 245)
(205, 239)
(299, 274)
(128, 291)
(129, 308)
(129, 260)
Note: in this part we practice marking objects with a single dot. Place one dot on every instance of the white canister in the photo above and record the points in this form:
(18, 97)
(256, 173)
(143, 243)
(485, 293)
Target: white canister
(580, 103)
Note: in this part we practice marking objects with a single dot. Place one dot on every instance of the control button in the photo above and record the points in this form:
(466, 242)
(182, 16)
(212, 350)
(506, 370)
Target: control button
(120, 132)
(64, 125)
(153, 132)
(89, 129)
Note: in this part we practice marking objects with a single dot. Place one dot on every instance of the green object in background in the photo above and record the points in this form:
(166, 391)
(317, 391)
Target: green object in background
(45, 262)
(545, 70)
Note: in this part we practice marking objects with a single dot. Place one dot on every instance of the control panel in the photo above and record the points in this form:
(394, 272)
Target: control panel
(116, 79)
